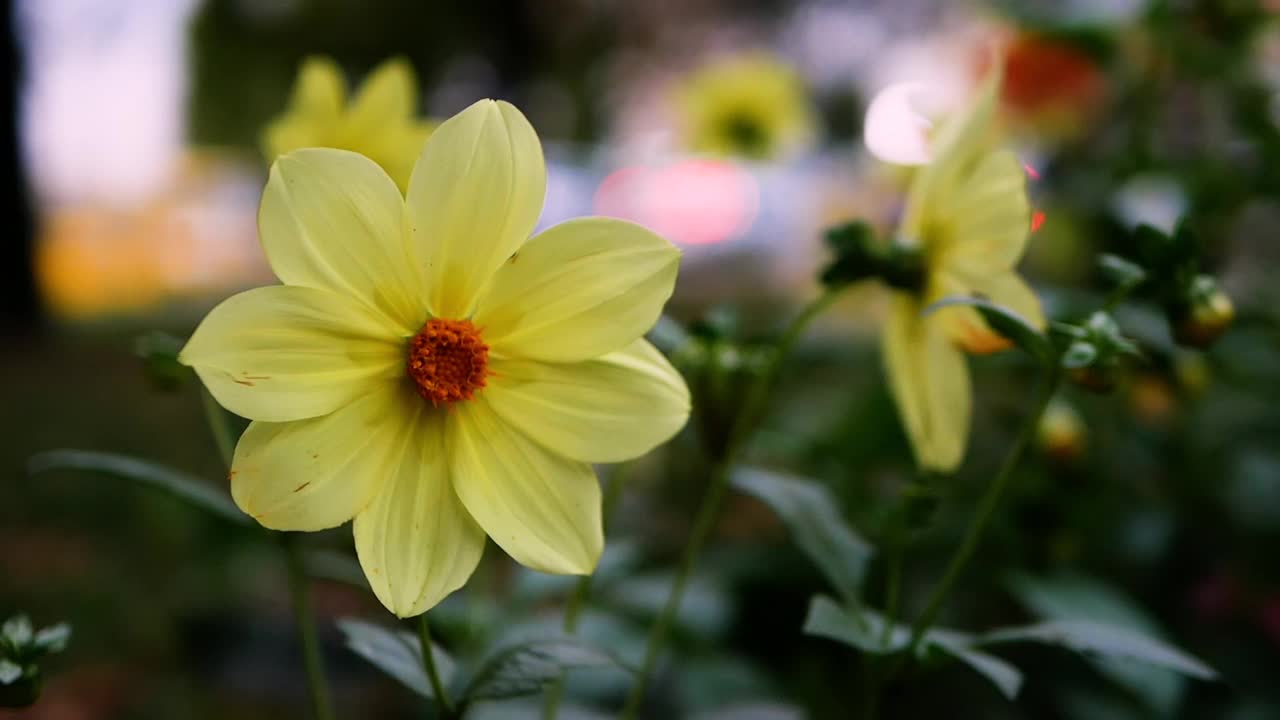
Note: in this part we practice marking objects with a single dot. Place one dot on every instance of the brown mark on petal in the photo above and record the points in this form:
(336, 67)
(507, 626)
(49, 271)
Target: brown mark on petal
(299, 488)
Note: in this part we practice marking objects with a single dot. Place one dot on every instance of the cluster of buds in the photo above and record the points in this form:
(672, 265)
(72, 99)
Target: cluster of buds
(1094, 351)
(1197, 308)
(720, 371)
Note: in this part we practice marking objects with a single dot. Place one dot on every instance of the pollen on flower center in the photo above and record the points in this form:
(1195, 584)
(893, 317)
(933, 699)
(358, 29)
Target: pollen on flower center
(448, 360)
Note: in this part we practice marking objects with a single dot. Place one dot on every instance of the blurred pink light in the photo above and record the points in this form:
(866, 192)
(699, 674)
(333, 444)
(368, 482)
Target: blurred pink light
(691, 202)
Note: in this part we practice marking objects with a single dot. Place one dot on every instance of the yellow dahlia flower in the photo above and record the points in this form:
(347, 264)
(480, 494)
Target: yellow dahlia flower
(426, 371)
(968, 216)
(380, 122)
(752, 106)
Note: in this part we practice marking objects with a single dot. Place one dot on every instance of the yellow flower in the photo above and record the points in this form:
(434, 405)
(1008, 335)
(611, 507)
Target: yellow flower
(753, 106)
(425, 370)
(967, 215)
(379, 123)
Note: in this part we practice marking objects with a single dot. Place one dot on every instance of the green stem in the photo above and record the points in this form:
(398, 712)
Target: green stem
(986, 510)
(429, 664)
(299, 591)
(321, 703)
(582, 590)
(893, 590)
(709, 510)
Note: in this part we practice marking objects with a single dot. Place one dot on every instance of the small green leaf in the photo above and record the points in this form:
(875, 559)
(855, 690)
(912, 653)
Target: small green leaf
(1121, 272)
(396, 653)
(1006, 322)
(864, 631)
(528, 667)
(184, 486)
(18, 632)
(9, 672)
(812, 515)
(53, 638)
(1112, 641)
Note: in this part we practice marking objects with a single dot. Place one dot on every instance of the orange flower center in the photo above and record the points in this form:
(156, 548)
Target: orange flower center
(448, 360)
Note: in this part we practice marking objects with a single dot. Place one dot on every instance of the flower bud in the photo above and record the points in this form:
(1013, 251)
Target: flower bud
(1203, 315)
(1061, 433)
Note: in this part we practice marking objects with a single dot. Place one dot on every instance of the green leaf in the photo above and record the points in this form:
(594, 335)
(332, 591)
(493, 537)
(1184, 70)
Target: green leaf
(863, 631)
(1006, 677)
(1008, 323)
(18, 632)
(9, 672)
(1121, 272)
(53, 638)
(813, 517)
(1112, 641)
(184, 486)
(1072, 597)
(528, 667)
(395, 652)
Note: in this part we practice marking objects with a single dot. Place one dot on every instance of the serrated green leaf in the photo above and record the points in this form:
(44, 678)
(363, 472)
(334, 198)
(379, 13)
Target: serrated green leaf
(1112, 641)
(812, 516)
(1006, 322)
(18, 631)
(184, 486)
(395, 652)
(10, 672)
(528, 667)
(53, 638)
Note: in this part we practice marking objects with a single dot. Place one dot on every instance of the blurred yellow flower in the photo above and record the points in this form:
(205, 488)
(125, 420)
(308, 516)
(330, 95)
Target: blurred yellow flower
(428, 372)
(968, 216)
(753, 106)
(379, 122)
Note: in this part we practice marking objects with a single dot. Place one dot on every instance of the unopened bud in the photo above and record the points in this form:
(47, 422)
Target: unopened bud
(1061, 433)
(1204, 314)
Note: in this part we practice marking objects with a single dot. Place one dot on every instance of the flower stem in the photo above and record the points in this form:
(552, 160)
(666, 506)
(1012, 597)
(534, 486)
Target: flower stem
(986, 509)
(321, 703)
(429, 664)
(709, 510)
(582, 590)
(299, 591)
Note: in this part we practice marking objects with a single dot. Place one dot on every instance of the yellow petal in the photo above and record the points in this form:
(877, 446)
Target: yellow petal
(387, 96)
(475, 196)
(542, 508)
(985, 223)
(318, 473)
(615, 408)
(415, 541)
(313, 112)
(331, 219)
(1011, 291)
(578, 290)
(961, 138)
(319, 90)
(929, 383)
(286, 353)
